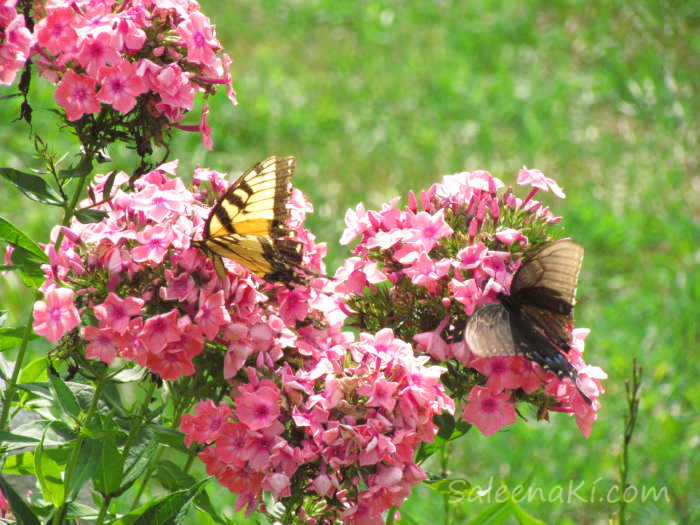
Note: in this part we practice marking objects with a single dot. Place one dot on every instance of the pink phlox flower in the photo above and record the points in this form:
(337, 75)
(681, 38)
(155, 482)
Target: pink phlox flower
(198, 34)
(432, 342)
(536, 179)
(472, 256)
(160, 330)
(427, 272)
(428, 229)
(494, 265)
(380, 393)
(527, 372)
(293, 305)
(15, 45)
(212, 313)
(233, 444)
(205, 128)
(181, 288)
(159, 204)
(171, 364)
(488, 411)
(97, 49)
(103, 343)
(384, 239)
(76, 95)
(484, 181)
(207, 422)
(236, 356)
(155, 242)
(278, 485)
(5, 508)
(57, 32)
(498, 371)
(466, 292)
(130, 29)
(56, 315)
(173, 85)
(260, 408)
(116, 313)
(510, 235)
(120, 86)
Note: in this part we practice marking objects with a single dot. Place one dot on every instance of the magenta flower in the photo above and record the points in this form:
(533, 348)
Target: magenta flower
(57, 315)
(489, 411)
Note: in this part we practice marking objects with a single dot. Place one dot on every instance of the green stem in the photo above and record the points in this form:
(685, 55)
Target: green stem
(79, 442)
(12, 382)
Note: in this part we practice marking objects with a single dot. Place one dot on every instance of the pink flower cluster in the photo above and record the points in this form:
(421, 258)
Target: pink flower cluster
(312, 414)
(444, 260)
(138, 288)
(15, 41)
(5, 509)
(344, 434)
(157, 53)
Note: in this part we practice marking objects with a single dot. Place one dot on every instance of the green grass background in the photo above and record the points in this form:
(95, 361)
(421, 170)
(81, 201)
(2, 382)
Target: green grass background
(376, 98)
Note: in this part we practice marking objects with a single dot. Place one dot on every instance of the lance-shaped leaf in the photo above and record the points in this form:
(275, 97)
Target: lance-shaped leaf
(33, 186)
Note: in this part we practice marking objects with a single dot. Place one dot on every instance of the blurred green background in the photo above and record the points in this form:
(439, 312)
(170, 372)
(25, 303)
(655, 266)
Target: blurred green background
(376, 98)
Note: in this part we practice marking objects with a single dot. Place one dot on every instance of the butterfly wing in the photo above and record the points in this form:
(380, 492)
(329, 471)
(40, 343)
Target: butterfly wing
(488, 331)
(248, 224)
(256, 204)
(544, 287)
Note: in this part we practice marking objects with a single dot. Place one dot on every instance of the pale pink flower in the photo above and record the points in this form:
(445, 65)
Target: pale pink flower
(56, 315)
(198, 34)
(488, 411)
(537, 179)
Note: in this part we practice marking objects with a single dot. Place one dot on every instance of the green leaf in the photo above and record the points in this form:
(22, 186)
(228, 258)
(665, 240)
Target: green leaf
(33, 186)
(30, 269)
(12, 337)
(19, 464)
(10, 233)
(23, 512)
(34, 371)
(49, 473)
(65, 396)
(82, 169)
(169, 510)
(138, 458)
(3, 317)
(89, 460)
(495, 514)
(108, 478)
(523, 517)
(90, 216)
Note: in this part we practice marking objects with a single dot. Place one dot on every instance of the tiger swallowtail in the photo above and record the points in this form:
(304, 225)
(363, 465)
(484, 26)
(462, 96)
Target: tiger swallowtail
(534, 319)
(249, 224)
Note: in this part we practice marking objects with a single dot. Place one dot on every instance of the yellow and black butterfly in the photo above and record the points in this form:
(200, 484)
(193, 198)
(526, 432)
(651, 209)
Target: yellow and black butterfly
(534, 319)
(248, 224)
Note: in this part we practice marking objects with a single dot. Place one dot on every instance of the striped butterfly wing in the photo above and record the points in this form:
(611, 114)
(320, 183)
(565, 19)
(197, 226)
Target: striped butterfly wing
(248, 224)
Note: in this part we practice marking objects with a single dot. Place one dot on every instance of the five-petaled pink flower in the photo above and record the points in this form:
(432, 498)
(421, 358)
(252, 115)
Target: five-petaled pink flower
(76, 95)
(56, 315)
(489, 411)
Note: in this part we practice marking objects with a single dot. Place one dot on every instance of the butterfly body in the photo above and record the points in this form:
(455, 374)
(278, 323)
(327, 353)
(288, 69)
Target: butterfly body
(249, 224)
(534, 319)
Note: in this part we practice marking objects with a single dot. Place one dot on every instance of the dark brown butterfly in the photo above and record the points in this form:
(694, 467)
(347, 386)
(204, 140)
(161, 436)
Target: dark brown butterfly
(534, 319)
